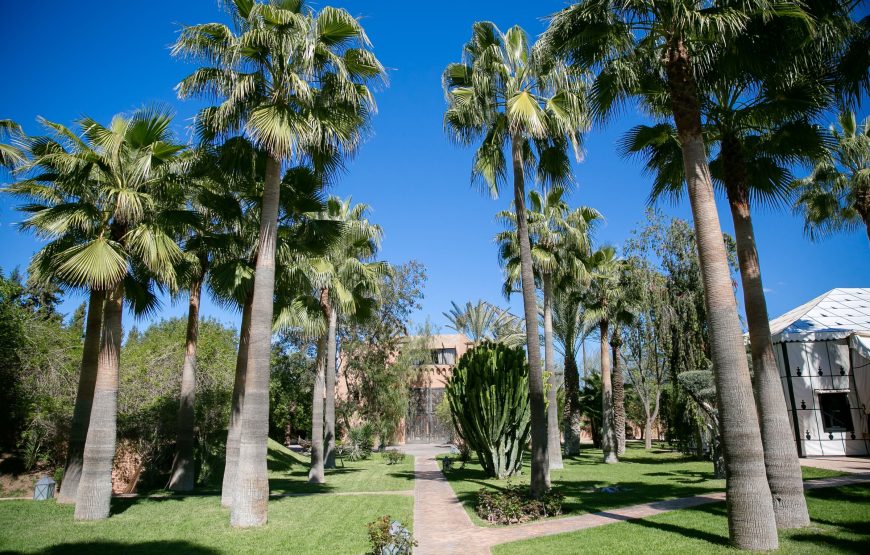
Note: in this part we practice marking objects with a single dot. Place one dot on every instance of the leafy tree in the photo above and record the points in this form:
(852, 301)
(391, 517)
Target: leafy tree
(641, 48)
(292, 380)
(295, 82)
(506, 95)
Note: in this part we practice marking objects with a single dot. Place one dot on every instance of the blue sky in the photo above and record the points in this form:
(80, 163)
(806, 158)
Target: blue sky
(63, 60)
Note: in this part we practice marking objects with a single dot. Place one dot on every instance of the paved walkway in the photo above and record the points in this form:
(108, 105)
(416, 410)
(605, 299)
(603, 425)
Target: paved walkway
(852, 465)
(443, 527)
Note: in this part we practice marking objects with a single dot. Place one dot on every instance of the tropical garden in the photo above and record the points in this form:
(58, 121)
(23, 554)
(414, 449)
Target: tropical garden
(625, 380)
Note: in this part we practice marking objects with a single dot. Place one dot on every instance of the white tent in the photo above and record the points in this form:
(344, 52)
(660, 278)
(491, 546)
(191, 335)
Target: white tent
(823, 353)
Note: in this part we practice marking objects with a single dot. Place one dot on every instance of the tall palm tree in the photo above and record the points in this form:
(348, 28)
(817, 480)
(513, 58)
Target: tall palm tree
(482, 321)
(608, 308)
(107, 204)
(651, 45)
(345, 280)
(569, 332)
(509, 98)
(295, 82)
(558, 237)
(836, 195)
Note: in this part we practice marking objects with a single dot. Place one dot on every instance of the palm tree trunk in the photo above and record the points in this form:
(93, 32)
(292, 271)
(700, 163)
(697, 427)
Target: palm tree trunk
(183, 470)
(572, 404)
(608, 436)
(94, 496)
(251, 498)
(780, 455)
(618, 396)
(554, 440)
(234, 430)
(315, 474)
(72, 471)
(751, 520)
(540, 474)
(329, 410)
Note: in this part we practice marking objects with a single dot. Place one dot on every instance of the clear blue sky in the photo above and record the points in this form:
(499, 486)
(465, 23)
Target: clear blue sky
(62, 60)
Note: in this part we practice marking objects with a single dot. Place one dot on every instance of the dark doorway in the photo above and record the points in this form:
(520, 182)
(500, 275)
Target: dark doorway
(422, 426)
(836, 416)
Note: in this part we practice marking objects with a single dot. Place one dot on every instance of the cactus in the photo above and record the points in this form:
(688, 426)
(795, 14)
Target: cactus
(489, 403)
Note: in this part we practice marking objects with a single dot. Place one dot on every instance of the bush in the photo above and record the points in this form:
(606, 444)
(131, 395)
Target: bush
(359, 443)
(394, 456)
(390, 537)
(514, 505)
(489, 402)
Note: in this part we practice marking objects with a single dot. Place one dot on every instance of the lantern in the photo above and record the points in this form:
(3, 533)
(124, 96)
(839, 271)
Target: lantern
(44, 489)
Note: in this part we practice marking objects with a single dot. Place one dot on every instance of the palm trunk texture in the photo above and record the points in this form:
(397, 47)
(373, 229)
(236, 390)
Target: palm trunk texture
(251, 497)
(94, 496)
(315, 474)
(78, 434)
(540, 473)
(780, 454)
(618, 382)
(183, 469)
(329, 410)
(572, 405)
(554, 440)
(234, 430)
(751, 520)
(608, 436)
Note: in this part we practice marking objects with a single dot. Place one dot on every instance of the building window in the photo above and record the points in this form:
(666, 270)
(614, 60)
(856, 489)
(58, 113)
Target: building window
(836, 416)
(443, 356)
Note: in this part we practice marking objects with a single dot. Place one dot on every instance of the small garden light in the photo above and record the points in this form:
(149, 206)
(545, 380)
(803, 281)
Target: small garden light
(44, 489)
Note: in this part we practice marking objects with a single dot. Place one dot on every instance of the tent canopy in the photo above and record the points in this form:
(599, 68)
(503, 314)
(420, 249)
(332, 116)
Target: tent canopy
(837, 314)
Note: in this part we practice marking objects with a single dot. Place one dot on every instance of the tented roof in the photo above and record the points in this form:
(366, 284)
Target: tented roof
(836, 314)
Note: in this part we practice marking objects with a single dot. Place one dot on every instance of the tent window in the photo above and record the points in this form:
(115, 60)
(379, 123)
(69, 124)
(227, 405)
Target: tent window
(836, 416)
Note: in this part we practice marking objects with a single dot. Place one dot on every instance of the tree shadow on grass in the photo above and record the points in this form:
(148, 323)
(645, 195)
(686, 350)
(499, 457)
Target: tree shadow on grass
(111, 548)
(121, 504)
(843, 545)
(685, 476)
(687, 532)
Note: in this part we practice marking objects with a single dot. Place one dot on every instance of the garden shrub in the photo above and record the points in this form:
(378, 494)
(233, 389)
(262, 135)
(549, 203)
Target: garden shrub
(489, 402)
(514, 505)
(394, 456)
(389, 537)
(359, 442)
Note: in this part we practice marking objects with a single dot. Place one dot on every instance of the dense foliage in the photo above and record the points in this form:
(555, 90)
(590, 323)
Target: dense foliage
(514, 505)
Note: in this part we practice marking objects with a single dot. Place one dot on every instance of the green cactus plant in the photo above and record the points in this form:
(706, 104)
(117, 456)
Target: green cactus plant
(489, 404)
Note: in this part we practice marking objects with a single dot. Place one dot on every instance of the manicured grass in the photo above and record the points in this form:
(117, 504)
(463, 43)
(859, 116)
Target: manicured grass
(288, 473)
(644, 476)
(841, 524)
(311, 524)
(314, 524)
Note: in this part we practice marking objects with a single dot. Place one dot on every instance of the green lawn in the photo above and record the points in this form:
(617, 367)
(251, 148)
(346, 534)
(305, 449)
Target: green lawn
(288, 473)
(315, 524)
(841, 524)
(311, 524)
(646, 476)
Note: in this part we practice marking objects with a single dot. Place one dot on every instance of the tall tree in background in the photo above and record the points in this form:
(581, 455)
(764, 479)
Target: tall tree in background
(482, 321)
(836, 195)
(636, 47)
(569, 331)
(558, 237)
(509, 98)
(110, 215)
(295, 82)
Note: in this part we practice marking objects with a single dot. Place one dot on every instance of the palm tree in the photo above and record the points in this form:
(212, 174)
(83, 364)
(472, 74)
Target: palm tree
(652, 45)
(295, 82)
(507, 96)
(836, 195)
(608, 308)
(103, 200)
(558, 237)
(569, 332)
(485, 322)
(10, 154)
(346, 281)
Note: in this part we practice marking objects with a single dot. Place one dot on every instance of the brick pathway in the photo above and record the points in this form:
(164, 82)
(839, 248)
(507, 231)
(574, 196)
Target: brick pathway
(852, 465)
(442, 527)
